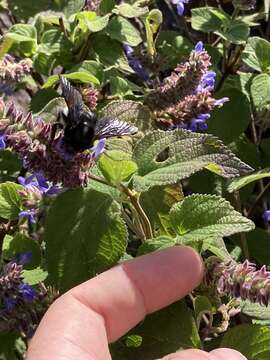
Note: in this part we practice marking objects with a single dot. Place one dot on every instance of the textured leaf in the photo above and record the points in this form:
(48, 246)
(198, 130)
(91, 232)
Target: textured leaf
(84, 233)
(200, 217)
(72, 7)
(54, 41)
(257, 54)
(253, 341)
(130, 11)
(237, 32)
(255, 311)
(208, 19)
(92, 67)
(110, 52)
(10, 202)
(41, 98)
(94, 24)
(35, 276)
(238, 183)
(106, 6)
(260, 90)
(122, 30)
(129, 111)
(25, 36)
(51, 111)
(157, 203)
(185, 153)
(84, 77)
(163, 332)
(116, 166)
(151, 245)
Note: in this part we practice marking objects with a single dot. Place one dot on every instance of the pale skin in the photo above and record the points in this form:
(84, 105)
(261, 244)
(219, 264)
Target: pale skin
(81, 323)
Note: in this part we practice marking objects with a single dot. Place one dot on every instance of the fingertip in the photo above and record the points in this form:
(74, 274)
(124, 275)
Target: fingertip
(225, 354)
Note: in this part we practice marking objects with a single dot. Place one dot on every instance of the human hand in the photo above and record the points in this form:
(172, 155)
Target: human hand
(81, 322)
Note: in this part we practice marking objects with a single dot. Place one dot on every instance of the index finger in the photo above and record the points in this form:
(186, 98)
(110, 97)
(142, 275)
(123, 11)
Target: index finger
(104, 308)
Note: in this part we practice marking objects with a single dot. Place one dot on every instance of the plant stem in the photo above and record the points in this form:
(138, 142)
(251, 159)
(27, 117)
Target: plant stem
(258, 198)
(134, 198)
(243, 238)
(99, 179)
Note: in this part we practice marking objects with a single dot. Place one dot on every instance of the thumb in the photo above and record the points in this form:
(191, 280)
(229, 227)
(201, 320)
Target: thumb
(194, 354)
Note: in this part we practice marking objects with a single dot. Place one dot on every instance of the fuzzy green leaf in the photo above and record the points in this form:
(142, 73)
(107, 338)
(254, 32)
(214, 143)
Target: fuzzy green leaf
(122, 30)
(84, 234)
(238, 183)
(35, 276)
(10, 202)
(260, 90)
(165, 157)
(130, 11)
(257, 54)
(200, 217)
(253, 341)
(208, 19)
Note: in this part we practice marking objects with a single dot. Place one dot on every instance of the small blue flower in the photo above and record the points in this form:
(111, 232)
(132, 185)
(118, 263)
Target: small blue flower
(28, 292)
(207, 82)
(29, 214)
(23, 258)
(266, 215)
(180, 6)
(199, 47)
(198, 125)
(221, 101)
(6, 89)
(135, 63)
(2, 143)
(99, 148)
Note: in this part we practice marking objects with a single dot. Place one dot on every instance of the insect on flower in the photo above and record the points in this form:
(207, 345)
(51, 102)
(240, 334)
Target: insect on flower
(81, 125)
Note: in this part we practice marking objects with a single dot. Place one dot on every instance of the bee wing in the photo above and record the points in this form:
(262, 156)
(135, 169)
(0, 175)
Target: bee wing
(72, 97)
(109, 127)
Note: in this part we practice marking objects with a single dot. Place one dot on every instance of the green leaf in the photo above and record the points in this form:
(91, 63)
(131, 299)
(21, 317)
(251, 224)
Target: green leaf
(152, 23)
(116, 166)
(255, 311)
(260, 90)
(129, 111)
(257, 54)
(130, 10)
(121, 87)
(151, 245)
(92, 67)
(5, 46)
(72, 7)
(110, 52)
(157, 203)
(173, 48)
(163, 332)
(41, 98)
(200, 217)
(202, 305)
(21, 243)
(10, 165)
(258, 242)
(84, 234)
(208, 19)
(253, 341)
(51, 111)
(93, 23)
(122, 30)
(237, 32)
(133, 341)
(43, 63)
(23, 10)
(35, 276)
(106, 6)
(83, 77)
(25, 36)
(237, 184)
(223, 121)
(185, 153)
(10, 202)
(54, 41)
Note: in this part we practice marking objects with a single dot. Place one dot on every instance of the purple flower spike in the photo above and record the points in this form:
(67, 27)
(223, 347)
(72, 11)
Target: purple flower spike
(27, 292)
(29, 214)
(221, 101)
(128, 49)
(180, 6)
(266, 215)
(9, 303)
(199, 47)
(2, 143)
(135, 63)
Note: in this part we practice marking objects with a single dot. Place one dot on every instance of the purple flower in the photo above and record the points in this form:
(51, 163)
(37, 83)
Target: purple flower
(29, 214)
(135, 64)
(28, 292)
(199, 47)
(221, 101)
(266, 215)
(99, 148)
(207, 82)
(23, 258)
(198, 124)
(6, 89)
(2, 143)
(180, 6)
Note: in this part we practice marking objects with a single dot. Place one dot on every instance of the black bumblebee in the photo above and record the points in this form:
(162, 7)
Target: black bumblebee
(82, 127)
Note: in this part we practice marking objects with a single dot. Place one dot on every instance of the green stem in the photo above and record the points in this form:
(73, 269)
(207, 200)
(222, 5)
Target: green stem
(135, 201)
